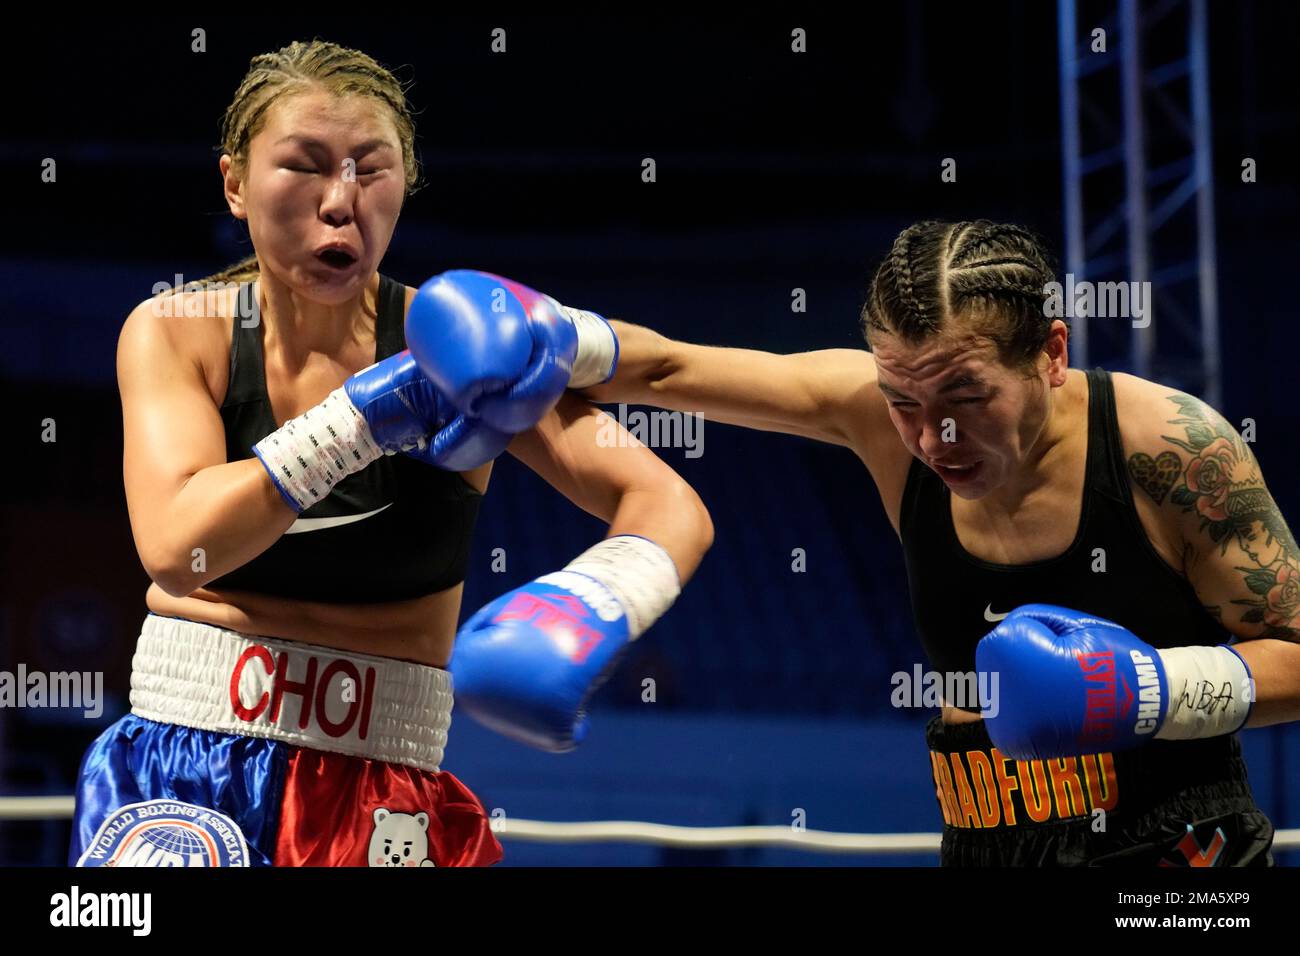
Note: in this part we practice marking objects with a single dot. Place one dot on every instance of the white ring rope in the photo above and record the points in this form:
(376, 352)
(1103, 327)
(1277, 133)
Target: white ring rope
(36, 808)
(662, 834)
(630, 831)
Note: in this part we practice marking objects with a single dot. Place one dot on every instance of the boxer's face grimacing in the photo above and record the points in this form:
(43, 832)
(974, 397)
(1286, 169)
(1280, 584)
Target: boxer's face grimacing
(322, 192)
(971, 419)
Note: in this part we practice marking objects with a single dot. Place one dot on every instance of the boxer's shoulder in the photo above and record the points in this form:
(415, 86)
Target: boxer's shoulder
(1155, 419)
(850, 379)
(184, 330)
(1138, 399)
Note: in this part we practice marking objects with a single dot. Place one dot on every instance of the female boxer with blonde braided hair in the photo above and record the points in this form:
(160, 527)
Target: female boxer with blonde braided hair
(1003, 470)
(303, 495)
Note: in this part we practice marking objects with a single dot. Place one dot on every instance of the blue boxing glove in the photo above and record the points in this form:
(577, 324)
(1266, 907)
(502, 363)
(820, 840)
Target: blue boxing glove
(1069, 683)
(386, 408)
(407, 414)
(501, 351)
(527, 663)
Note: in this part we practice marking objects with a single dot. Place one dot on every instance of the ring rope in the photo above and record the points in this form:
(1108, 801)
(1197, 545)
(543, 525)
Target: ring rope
(633, 831)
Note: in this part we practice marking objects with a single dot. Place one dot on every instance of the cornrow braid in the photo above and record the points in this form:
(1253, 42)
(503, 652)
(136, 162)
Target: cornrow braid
(982, 238)
(902, 260)
(905, 293)
(994, 274)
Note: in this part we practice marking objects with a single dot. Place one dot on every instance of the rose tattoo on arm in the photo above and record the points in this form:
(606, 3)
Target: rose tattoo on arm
(1216, 482)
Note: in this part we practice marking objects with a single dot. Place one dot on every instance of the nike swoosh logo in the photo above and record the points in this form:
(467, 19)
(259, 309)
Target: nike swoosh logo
(1128, 696)
(991, 617)
(320, 524)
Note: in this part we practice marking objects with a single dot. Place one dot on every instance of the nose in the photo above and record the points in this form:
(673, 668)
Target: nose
(336, 205)
(396, 859)
(931, 439)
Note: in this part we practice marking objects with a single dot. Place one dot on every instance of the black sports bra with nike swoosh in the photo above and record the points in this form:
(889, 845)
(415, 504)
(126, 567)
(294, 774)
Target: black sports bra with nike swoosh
(398, 529)
(958, 598)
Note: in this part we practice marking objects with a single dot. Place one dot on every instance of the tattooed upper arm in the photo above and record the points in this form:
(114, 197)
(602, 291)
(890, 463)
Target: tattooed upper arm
(1240, 555)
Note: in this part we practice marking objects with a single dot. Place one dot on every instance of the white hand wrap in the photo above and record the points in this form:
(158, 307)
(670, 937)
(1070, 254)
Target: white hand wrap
(597, 348)
(310, 454)
(640, 574)
(1210, 692)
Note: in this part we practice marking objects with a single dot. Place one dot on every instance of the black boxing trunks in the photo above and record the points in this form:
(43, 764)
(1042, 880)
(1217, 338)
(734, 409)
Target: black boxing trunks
(1168, 803)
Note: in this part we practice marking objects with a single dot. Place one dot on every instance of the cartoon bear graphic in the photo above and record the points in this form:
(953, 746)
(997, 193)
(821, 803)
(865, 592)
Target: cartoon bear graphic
(399, 839)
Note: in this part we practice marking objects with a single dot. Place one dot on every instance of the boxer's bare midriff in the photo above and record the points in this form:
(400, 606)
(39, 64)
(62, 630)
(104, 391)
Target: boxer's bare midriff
(420, 630)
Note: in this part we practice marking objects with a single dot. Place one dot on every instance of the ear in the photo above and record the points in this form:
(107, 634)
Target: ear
(1058, 353)
(423, 820)
(381, 814)
(232, 187)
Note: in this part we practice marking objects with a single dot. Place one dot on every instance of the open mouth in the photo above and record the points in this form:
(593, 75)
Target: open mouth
(960, 473)
(336, 258)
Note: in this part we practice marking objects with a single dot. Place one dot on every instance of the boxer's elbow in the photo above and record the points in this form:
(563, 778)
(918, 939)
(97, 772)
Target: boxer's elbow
(680, 523)
(173, 581)
(702, 522)
(173, 571)
(694, 518)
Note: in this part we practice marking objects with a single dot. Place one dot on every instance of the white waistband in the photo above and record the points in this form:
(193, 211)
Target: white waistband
(202, 676)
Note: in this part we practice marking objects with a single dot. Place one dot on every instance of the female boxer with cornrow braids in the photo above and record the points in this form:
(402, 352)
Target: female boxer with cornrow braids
(1091, 542)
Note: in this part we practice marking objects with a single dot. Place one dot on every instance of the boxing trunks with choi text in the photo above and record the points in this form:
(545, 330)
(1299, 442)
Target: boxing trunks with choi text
(250, 751)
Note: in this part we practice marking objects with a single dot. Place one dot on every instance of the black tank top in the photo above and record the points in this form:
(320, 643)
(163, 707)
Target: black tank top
(955, 596)
(397, 529)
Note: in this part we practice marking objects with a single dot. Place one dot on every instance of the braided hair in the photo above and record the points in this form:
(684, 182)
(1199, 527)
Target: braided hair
(994, 274)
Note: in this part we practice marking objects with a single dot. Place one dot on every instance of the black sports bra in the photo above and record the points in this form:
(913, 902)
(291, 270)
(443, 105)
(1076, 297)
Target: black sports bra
(397, 529)
(958, 598)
